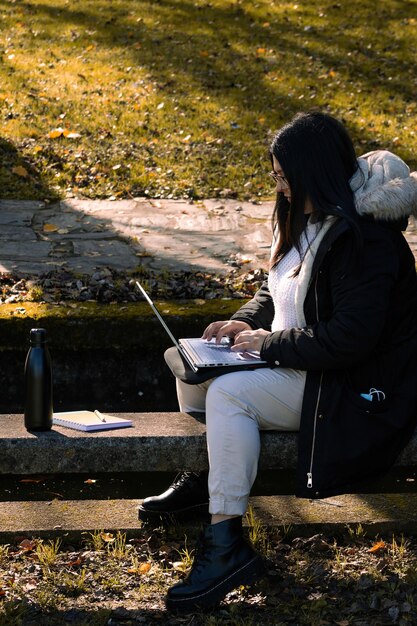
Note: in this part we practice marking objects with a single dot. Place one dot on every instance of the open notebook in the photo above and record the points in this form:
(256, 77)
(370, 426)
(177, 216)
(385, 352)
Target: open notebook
(200, 353)
(89, 420)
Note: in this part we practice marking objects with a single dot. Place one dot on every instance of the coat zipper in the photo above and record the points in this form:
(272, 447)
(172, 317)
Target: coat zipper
(313, 443)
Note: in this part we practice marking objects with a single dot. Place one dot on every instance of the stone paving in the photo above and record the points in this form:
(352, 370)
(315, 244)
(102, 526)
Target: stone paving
(86, 235)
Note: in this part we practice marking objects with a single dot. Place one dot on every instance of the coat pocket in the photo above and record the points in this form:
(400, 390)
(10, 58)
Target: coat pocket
(370, 407)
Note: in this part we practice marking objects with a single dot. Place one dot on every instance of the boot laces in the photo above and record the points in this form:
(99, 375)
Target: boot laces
(182, 479)
(201, 553)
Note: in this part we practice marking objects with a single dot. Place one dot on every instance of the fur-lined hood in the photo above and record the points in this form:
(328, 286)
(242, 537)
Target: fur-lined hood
(384, 187)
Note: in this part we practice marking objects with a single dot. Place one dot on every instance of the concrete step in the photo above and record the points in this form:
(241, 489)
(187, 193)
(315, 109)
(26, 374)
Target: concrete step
(157, 442)
(73, 520)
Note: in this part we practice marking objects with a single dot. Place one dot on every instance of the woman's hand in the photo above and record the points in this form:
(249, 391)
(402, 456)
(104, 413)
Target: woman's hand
(249, 340)
(227, 328)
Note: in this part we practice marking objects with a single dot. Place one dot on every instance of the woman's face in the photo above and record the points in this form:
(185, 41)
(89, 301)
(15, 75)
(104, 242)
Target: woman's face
(282, 184)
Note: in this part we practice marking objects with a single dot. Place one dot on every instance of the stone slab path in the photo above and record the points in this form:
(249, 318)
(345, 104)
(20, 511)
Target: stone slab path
(86, 235)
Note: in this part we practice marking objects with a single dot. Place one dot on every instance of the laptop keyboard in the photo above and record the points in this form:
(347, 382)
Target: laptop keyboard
(210, 353)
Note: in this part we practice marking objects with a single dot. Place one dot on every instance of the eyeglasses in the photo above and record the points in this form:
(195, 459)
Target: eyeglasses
(278, 178)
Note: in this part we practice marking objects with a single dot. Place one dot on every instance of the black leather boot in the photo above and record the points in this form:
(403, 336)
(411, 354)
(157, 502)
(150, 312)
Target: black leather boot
(224, 560)
(186, 498)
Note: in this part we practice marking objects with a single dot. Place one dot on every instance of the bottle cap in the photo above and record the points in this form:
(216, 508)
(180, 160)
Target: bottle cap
(37, 336)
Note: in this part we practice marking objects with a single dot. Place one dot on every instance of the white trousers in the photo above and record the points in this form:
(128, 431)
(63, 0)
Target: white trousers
(237, 406)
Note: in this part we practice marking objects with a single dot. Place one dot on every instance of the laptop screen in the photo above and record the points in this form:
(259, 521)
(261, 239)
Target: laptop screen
(158, 315)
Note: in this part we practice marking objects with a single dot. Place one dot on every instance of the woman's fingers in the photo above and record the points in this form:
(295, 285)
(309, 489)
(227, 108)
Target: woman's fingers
(226, 328)
(250, 340)
(212, 330)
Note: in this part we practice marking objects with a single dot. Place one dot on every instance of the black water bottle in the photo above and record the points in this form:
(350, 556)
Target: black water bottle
(38, 383)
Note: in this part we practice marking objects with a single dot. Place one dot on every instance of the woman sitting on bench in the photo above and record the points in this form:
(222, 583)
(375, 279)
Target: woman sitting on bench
(336, 322)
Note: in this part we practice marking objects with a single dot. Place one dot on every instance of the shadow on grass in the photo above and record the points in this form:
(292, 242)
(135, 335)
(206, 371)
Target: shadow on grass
(15, 612)
(244, 613)
(17, 174)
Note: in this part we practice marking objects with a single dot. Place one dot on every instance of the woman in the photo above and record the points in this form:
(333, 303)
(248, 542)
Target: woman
(337, 324)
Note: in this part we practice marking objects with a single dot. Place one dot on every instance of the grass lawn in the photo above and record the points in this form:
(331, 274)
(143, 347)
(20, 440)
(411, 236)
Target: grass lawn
(177, 98)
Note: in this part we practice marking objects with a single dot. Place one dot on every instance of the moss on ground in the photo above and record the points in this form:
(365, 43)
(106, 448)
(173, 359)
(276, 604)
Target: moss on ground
(89, 324)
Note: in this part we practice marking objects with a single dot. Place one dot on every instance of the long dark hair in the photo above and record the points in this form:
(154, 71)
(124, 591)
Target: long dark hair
(317, 157)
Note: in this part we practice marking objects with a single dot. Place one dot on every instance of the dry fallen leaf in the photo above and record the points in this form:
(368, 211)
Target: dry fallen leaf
(49, 228)
(70, 134)
(144, 568)
(19, 170)
(74, 563)
(377, 547)
(55, 132)
(27, 545)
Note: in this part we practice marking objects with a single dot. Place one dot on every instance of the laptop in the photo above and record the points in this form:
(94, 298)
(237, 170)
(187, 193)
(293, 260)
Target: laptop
(200, 353)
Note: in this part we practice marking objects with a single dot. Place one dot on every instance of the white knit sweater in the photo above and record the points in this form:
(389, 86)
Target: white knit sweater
(283, 284)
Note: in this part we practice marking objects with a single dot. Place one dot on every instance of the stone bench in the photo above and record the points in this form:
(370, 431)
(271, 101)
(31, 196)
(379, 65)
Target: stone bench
(168, 442)
(157, 442)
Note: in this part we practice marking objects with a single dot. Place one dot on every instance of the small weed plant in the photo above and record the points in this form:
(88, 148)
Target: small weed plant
(117, 548)
(186, 555)
(4, 552)
(47, 553)
(258, 534)
(73, 583)
(95, 540)
(356, 532)
(398, 549)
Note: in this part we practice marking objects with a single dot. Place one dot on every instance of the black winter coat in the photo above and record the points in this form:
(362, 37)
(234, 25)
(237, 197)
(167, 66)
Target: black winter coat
(360, 333)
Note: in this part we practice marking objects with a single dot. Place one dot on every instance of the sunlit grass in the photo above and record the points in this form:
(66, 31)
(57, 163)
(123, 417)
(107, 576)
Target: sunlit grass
(177, 98)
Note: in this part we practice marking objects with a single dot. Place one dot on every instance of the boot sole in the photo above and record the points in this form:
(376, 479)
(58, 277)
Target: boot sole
(170, 517)
(245, 575)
